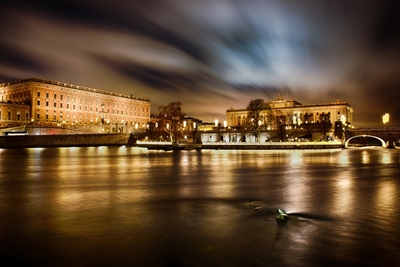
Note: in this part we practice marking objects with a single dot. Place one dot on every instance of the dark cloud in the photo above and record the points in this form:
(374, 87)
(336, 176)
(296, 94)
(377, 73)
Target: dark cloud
(16, 59)
(386, 34)
(212, 54)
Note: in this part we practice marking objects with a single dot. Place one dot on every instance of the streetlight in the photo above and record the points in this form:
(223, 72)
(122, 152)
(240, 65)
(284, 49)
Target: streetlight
(385, 119)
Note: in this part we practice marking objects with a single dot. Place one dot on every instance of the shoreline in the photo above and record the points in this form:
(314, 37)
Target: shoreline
(117, 139)
(240, 146)
(64, 140)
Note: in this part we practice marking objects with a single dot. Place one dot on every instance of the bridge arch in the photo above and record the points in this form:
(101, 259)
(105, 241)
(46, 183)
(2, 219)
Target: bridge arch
(372, 136)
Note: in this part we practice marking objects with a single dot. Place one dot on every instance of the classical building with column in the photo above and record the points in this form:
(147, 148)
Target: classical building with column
(46, 102)
(294, 113)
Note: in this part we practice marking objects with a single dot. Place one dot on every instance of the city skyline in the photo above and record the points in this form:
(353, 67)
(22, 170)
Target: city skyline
(212, 55)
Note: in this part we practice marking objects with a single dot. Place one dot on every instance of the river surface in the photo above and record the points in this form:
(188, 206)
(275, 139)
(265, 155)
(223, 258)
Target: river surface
(126, 206)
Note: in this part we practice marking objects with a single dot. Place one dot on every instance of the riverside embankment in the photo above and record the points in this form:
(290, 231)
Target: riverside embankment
(64, 140)
(241, 145)
(69, 140)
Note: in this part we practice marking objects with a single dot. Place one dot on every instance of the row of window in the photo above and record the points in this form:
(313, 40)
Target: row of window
(18, 117)
(15, 95)
(91, 101)
(25, 94)
(78, 114)
(86, 120)
(300, 115)
(86, 108)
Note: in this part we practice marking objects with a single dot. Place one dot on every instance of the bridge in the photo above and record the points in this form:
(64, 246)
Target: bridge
(389, 137)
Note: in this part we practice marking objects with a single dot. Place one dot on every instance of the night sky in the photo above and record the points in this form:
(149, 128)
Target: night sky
(213, 54)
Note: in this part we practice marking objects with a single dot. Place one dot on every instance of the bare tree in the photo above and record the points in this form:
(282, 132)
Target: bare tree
(153, 131)
(149, 132)
(307, 125)
(325, 122)
(281, 126)
(169, 119)
(255, 121)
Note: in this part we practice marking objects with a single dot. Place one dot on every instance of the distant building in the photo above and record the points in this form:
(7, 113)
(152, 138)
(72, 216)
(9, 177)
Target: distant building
(207, 126)
(160, 129)
(294, 113)
(46, 102)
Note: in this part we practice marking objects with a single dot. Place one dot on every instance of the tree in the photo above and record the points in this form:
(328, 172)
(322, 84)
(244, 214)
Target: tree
(169, 119)
(150, 132)
(281, 126)
(307, 125)
(255, 121)
(325, 122)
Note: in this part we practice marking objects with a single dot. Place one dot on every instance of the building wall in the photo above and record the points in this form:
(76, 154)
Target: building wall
(14, 114)
(57, 103)
(294, 112)
(60, 140)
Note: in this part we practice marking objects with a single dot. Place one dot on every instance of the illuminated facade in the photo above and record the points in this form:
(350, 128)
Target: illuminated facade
(294, 113)
(48, 102)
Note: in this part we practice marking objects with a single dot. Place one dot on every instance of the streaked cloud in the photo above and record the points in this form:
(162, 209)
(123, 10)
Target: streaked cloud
(212, 55)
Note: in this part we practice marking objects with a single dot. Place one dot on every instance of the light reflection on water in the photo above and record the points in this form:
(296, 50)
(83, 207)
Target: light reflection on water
(343, 196)
(127, 206)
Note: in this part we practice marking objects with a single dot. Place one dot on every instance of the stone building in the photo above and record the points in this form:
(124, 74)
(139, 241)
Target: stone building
(46, 102)
(294, 113)
(12, 114)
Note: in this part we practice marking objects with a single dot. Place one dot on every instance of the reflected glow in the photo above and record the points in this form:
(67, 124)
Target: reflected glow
(185, 164)
(130, 195)
(297, 184)
(221, 184)
(297, 192)
(386, 159)
(295, 158)
(365, 157)
(386, 199)
(344, 158)
(343, 197)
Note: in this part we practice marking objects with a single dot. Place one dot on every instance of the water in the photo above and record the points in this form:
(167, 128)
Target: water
(122, 206)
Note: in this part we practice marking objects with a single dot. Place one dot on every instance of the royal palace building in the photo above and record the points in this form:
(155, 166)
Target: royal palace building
(294, 114)
(46, 102)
